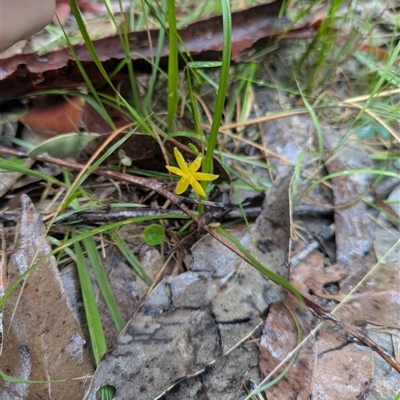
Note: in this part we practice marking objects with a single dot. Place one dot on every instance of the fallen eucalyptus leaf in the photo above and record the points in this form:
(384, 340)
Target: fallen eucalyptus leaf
(42, 339)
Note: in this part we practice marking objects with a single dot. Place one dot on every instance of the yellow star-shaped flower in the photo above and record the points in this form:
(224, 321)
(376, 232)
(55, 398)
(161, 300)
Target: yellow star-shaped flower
(189, 174)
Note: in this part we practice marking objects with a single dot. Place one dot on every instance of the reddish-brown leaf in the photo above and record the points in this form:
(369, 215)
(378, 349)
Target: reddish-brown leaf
(53, 115)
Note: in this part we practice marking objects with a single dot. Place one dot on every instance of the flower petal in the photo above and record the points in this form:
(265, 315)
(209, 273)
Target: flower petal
(180, 160)
(182, 185)
(175, 170)
(197, 188)
(200, 176)
(195, 165)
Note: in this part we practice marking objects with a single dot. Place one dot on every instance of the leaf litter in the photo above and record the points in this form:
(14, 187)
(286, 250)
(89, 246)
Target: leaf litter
(331, 364)
(197, 311)
(190, 322)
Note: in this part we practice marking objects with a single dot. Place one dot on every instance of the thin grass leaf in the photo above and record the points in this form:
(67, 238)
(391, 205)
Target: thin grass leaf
(14, 165)
(245, 182)
(156, 64)
(296, 176)
(172, 101)
(268, 273)
(95, 327)
(55, 242)
(251, 70)
(317, 126)
(99, 65)
(96, 332)
(207, 166)
(191, 135)
(129, 256)
(104, 283)
(204, 64)
(125, 45)
(12, 379)
(86, 78)
(390, 76)
(194, 107)
(88, 42)
(245, 160)
(384, 77)
(88, 172)
(240, 92)
(291, 362)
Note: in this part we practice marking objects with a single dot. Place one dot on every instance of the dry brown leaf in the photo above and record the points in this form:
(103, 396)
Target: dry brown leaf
(42, 340)
(311, 275)
(329, 366)
(53, 115)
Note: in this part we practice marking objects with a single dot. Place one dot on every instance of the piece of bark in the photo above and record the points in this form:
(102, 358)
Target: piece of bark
(42, 339)
(354, 228)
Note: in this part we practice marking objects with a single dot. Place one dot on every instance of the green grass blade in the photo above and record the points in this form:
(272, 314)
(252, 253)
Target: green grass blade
(154, 74)
(317, 126)
(13, 379)
(14, 165)
(384, 76)
(88, 172)
(193, 106)
(104, 283)
(129, 256)
(288, 367)
(135, 114)
(207, 166)
(87, 80)
(172, 101)
(96, 332)
(124, 39)
(268, 273)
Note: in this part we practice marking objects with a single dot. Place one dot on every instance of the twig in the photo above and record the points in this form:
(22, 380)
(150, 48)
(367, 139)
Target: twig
(326, 233)
(152, 184)
(355, 331)
(114, 216)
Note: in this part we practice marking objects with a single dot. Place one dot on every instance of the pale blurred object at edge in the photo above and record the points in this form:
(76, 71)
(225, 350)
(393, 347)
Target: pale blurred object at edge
(20, 19)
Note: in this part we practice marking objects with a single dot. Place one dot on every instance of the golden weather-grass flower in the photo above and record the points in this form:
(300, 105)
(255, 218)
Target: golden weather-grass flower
(189, 174)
